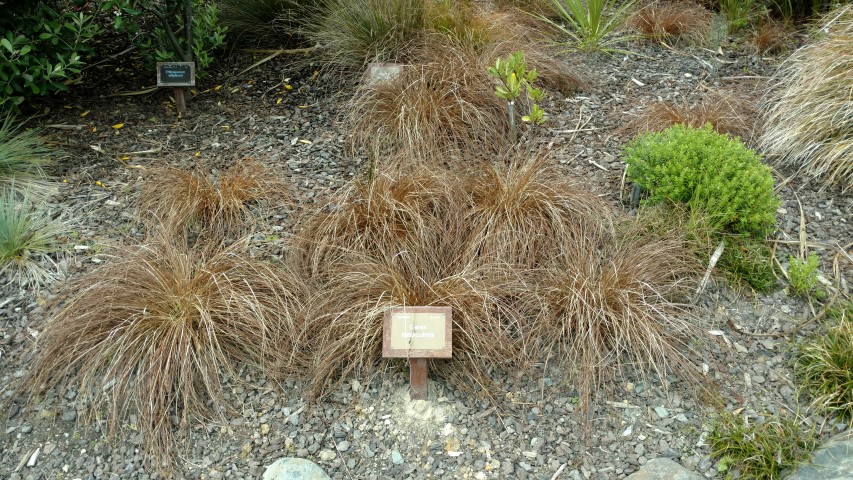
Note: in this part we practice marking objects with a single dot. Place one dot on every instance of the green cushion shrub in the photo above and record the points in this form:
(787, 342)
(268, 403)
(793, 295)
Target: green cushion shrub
(710, 173)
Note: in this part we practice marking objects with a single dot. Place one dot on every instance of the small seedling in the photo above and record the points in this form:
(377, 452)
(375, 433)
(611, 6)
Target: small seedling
(803, 275)
(516, 79)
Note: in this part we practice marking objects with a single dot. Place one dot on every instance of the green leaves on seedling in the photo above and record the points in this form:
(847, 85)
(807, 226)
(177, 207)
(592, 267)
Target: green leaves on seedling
(515, 78)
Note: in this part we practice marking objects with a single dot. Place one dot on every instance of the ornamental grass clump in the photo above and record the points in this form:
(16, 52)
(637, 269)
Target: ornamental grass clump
(30, 237)
(824, 365)
(356, 32)
(23, 158)
(661, 21)
(761, 448)
(444, 106)
(610, 302)
(524, 213)
(153, 334)
(809, 111)
(269, 22)
(185, 200)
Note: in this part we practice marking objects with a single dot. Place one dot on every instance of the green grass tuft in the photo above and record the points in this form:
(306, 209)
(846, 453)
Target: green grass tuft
(23, 157)
(29, 237)
(759, 450)
(824, 365)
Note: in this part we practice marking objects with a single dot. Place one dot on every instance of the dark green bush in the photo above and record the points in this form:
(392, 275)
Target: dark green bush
(709, 172)
(43, 44)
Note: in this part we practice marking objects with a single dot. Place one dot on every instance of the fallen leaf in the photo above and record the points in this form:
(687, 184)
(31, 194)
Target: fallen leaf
(84, 113)
(197, 154)
(118, 126)
(218, 87)
(94, 129)
(306, 142)
(288, 87)
(303, 106)
(235, 89)
(278, 100)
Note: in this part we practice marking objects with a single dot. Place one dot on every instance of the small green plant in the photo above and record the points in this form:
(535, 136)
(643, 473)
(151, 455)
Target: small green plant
(824, 365)
(738, 13)
(23, 156)
(515, 78)
(592, 24)
(708, 172)
(803, 275)
(29, 236)
(761, 449)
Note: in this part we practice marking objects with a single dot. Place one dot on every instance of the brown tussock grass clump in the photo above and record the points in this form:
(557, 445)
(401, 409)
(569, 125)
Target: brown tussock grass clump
(442, 108)
(610, 304)
(375, 216)
(152, 334)
(728, 114)
(182, 199)
(808, 114)
(526, 213)
(772, 36)
(663, 20)
(347, 320)
(444, 105)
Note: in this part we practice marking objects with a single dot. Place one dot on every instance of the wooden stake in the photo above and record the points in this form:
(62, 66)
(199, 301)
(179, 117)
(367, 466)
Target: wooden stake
(180, 103)
(418, 378)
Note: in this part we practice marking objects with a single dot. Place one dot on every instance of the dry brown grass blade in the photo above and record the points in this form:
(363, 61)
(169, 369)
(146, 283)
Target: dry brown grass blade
(181, 200)
(809, 112)
(153, 333)
(664, 20)
(346, 327)
(378, 216)
(610, 305)
(526, 213)
(772, 36)
(728, 113)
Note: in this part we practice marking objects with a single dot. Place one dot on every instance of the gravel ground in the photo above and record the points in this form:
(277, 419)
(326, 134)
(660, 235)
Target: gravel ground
(370, 430)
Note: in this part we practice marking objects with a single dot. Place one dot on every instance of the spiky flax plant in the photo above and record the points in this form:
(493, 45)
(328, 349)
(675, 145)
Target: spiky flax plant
(153, 334)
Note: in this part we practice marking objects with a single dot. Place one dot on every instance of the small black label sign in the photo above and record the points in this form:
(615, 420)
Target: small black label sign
(175, 74)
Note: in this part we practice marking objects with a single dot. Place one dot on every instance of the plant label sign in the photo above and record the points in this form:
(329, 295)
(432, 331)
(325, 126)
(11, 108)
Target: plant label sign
(175, 74)
(417, 332)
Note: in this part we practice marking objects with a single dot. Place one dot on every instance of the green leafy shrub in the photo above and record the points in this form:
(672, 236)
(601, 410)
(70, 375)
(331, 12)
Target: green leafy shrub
(29, 236)
(161, 43)
(824, 365)
(761, 449)
(708, 172)
(41, 47)
(23, 155)
(803, 274)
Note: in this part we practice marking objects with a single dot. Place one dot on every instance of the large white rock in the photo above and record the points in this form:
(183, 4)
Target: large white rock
(663, 469)
(294, 469)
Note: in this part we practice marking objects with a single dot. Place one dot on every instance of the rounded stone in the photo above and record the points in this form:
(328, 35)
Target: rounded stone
(294, 469)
